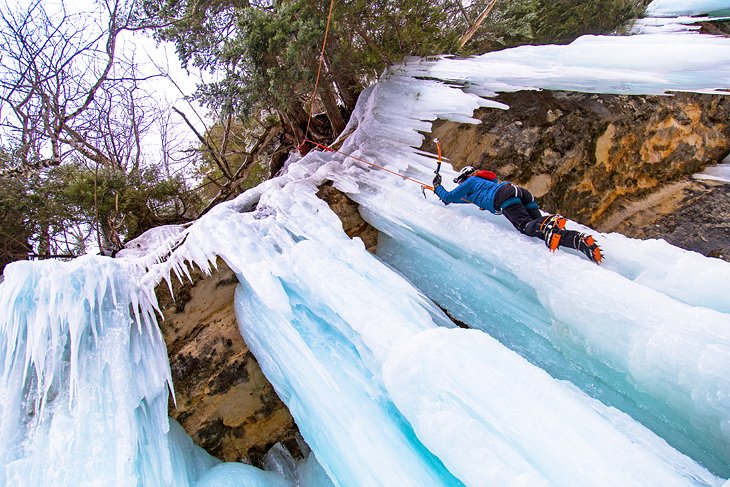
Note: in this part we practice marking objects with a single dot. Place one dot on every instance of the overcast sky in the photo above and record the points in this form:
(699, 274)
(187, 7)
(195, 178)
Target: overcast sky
(148, 56)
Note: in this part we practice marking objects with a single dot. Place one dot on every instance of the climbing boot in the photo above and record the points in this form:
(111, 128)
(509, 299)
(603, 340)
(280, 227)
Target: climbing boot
(587, 245)
(552, 228)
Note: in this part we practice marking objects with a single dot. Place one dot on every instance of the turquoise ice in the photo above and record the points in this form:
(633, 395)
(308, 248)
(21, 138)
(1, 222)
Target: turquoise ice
(385, 389)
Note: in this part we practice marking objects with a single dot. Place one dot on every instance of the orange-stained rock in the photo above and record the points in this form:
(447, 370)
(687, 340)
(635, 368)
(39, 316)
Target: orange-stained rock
(609, 161)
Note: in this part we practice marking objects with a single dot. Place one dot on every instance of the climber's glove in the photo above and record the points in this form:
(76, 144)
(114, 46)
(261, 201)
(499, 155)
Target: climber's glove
(437, 180)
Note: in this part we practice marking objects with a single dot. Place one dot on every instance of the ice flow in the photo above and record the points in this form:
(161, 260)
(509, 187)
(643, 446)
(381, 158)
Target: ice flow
(383, 386)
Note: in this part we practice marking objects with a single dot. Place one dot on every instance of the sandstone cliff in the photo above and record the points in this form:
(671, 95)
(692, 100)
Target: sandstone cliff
(223, 399)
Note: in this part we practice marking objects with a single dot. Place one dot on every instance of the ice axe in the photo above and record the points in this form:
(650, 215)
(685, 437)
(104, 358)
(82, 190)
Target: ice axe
(438, 166)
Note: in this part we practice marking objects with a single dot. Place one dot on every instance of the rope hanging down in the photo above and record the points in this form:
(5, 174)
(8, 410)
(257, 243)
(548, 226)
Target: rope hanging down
(319, 70)
(424, 186)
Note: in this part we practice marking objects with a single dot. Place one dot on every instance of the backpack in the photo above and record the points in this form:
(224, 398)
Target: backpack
(485, 174)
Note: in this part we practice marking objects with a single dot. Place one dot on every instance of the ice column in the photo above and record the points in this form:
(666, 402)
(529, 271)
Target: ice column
(86, 377)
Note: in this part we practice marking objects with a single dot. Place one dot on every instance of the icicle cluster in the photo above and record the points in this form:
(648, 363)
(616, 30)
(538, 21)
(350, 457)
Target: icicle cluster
(75, 408)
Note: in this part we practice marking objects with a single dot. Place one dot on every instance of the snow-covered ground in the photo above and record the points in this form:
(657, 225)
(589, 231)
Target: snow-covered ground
(574, 374)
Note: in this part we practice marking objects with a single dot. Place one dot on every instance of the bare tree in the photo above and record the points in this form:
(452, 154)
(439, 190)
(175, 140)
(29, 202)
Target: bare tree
(56, 64)
(230, 150)
(67, 93)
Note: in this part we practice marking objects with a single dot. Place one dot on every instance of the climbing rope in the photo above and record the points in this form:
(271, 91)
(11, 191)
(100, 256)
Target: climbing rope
(330, 149)
(423, 185)
(319, 69)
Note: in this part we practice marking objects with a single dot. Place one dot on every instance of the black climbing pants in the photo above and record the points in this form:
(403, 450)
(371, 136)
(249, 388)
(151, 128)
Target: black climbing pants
(520, 208)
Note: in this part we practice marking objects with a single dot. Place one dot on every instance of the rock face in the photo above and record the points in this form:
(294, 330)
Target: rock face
(352, 223)
(604, 160)
(223, 399)
(690, 214)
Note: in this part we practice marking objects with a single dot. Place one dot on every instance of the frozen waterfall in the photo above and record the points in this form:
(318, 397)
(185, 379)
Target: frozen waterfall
(627, 384)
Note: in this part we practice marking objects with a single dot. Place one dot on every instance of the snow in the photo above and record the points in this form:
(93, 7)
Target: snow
(720, 172)
(151, 240)
(384, 388)
(673, 16)
(667, 25)
(674, 8)
(646, 64)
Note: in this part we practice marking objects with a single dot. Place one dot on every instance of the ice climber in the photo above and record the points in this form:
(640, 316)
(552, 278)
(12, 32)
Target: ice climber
(482, 188)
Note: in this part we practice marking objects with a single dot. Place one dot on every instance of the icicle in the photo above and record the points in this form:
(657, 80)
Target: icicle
(80, 357)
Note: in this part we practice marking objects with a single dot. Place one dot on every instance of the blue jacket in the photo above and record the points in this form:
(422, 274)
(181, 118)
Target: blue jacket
(475, 190)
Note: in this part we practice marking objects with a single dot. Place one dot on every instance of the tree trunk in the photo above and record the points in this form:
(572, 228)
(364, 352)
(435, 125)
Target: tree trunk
(297, 114)
(331, 107)
(345, 84)
(475, 26)
(294, 127)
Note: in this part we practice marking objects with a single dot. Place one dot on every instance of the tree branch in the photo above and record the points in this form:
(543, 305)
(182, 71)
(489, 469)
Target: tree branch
(241, 173)
(475, 26)
(220, 162)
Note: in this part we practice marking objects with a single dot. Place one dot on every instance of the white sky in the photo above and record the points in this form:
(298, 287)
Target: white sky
(147, 54)
(151, 58)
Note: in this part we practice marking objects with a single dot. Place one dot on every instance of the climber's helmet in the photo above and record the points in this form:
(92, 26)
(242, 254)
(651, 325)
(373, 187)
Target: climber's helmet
(464, 173)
